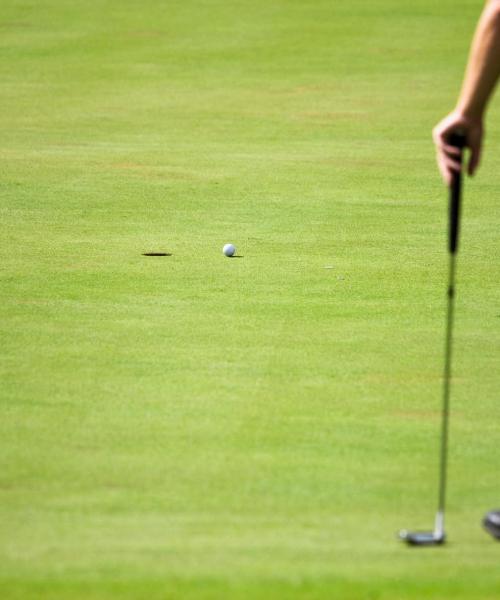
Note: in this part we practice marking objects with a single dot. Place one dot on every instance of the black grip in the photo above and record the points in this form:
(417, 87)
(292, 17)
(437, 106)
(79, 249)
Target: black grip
(458, 140)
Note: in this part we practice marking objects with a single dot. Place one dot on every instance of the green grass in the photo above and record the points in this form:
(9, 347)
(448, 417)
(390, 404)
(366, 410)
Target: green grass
(201, 427)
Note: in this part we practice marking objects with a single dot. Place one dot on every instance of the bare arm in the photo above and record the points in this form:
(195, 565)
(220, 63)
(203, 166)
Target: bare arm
(482, 74)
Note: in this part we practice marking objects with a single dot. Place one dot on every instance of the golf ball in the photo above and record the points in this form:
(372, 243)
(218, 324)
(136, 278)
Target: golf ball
(229, 250)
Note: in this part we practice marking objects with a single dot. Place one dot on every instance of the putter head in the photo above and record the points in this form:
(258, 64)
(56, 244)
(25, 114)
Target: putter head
(491, 523)
(422, 538)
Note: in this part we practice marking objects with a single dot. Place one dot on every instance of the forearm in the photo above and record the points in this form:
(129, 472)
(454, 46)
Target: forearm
(483, 69)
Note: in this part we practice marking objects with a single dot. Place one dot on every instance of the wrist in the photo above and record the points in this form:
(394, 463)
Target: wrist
(470, 111)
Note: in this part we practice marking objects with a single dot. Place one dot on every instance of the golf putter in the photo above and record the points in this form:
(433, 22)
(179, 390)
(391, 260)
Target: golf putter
(438, 535)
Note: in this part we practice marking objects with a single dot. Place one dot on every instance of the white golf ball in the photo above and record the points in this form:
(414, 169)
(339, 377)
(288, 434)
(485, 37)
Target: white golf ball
(229, 250)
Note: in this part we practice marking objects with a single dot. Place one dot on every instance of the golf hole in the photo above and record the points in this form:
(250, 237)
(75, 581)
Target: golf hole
(156, 254)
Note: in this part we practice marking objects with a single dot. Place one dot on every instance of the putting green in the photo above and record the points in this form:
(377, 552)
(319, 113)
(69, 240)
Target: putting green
(193, 426)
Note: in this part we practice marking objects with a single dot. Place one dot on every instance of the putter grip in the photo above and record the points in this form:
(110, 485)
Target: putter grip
(458, 140)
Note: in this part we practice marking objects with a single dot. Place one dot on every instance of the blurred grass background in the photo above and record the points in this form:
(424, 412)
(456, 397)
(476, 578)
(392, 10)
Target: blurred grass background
(193, 426)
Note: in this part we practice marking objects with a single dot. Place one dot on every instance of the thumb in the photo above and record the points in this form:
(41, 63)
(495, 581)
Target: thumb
(475, 156)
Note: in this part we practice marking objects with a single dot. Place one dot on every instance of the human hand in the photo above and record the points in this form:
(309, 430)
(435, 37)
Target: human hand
(448, 156)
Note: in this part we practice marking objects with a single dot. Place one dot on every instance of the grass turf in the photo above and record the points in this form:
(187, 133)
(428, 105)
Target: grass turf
(200, 427)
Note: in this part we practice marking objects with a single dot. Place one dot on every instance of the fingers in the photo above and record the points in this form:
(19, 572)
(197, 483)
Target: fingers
(447, 167)
(445, 173)
(450, 150)
(449, 156)
(449, 159)
(452, 164)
